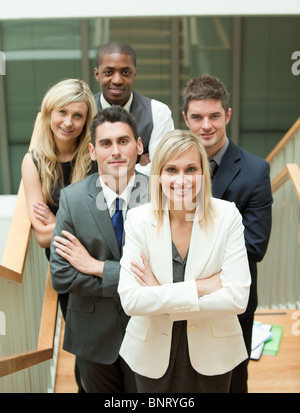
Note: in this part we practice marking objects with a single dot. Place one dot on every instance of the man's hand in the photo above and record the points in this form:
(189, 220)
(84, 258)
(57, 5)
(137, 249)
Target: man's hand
(71, 249)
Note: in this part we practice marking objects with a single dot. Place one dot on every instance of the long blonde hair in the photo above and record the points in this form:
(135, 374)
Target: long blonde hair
(60, 95)
(171, 145)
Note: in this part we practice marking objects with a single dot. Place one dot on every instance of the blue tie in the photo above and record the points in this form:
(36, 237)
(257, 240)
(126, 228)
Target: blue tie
(117, 221)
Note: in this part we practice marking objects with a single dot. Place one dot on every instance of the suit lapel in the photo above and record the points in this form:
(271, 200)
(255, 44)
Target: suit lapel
(98, 207)
(160, 249)
(227, 170)
(201, 247)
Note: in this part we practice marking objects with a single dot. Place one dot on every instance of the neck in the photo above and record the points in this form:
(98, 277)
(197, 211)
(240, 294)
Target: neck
(65, 152)
(182, 216)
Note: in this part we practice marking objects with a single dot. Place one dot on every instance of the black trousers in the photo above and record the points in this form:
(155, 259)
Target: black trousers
(106, 378)
(239, 378)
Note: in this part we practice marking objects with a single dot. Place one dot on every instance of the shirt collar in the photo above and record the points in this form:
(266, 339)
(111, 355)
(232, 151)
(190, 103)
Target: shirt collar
(105, 104)
(111, 195)
(219, 155)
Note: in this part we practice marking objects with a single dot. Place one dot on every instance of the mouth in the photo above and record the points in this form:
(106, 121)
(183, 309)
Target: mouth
(66, 131)
(117, 163)
(207, 135)
(181, 191)
(116, 92)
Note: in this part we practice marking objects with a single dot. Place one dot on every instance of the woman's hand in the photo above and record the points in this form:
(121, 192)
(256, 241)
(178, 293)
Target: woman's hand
(43, 213)
(144, 275)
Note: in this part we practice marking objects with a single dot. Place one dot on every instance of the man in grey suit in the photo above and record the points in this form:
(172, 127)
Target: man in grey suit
(85, 253)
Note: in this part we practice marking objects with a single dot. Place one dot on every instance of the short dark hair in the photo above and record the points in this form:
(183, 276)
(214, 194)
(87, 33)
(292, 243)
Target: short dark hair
(113, 114)
(205, 87)
(116, 47)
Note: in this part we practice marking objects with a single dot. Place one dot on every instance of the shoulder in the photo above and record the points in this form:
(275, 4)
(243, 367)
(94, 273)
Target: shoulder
(247, 158)
(78, 188)
(226, 209)
(140, 213)
(156, 105)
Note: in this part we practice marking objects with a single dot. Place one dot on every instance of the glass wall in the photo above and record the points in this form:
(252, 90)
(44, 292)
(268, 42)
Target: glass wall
(267, 94)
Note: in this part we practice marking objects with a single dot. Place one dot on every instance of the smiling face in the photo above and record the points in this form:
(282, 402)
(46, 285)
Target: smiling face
(116, 75)
(68, 122)
(116, 152)
(208, 120)
(181, 179)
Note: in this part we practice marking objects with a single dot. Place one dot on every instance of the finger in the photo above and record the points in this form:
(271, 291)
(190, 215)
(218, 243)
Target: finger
(137, 272)
(70, 236)
(145, 262)
(138, 265)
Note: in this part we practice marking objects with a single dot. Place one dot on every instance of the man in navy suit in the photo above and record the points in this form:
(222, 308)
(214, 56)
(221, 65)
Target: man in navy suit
(237, 176)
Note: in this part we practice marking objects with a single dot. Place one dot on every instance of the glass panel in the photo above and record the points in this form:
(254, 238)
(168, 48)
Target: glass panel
(270, 93)
(151, 39)
(38, 54)
(207, 48)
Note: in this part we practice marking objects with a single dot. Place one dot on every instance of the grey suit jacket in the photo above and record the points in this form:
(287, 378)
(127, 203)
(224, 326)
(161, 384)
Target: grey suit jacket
(95, 322)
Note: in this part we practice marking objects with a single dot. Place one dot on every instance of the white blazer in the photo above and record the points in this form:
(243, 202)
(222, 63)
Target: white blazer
(215, 338)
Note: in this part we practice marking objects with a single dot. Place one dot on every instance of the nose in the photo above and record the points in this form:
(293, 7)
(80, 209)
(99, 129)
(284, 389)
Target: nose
(206, 123)
(180, 179)
(117, 78)
(115, 150)
(68, 121)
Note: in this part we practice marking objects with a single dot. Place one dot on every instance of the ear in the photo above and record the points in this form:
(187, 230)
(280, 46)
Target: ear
(140, 147)
(185, 118)
(92, 152)
(228, 116)
(96, 73)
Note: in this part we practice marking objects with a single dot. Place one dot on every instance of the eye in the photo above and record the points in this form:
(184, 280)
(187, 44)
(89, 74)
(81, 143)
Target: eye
(105, 144)
(171, 169)
(123, 141)
(191, 169)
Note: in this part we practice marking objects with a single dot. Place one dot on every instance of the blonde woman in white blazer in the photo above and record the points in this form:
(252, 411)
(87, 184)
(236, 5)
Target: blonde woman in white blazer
(184, 277)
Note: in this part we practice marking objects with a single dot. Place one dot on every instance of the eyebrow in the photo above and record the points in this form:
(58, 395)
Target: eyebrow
(118, 138)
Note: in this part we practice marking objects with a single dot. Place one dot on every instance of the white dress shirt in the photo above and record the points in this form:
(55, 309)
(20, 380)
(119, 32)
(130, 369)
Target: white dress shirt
(111, 196)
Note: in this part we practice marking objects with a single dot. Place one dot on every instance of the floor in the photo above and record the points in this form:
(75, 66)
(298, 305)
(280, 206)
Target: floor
(271, 374)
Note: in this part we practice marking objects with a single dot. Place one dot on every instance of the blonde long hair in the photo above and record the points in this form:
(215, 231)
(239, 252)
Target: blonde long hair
(171, 145)
(60, 95)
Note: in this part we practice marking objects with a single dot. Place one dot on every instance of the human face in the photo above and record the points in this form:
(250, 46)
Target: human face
(116, 153)
(68, 122)
(208, 120)
(181, 180)
(116, 75)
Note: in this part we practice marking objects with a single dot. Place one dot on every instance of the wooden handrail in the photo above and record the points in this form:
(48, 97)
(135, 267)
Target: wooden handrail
(290, 171)
(283, 141)
(14, 256)
(12, 267)
(45, 345)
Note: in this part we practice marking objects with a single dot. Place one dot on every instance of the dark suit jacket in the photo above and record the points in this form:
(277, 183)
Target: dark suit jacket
(95, 322)
(244, 178)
